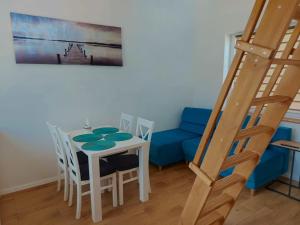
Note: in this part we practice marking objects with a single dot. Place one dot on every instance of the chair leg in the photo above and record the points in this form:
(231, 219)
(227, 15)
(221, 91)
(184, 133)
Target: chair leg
(114, 190)
(58, 179)
(71, 192)
(253, 192)
(121, 197)
(79, 197)
(66, 191)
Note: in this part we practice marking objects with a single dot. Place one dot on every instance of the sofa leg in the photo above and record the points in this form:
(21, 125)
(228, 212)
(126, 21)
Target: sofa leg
(159, 168)
(253, 192)
(187, 162)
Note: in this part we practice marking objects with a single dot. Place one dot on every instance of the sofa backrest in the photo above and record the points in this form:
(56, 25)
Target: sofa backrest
(282, 133)
(194, 119)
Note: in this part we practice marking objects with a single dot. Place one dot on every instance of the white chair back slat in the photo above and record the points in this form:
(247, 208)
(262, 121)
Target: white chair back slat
(126, 122)
(59, 150)
(144, 129)
(73, 163)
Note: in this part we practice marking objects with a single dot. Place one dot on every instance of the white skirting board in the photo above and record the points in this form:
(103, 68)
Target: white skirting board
(27, 186)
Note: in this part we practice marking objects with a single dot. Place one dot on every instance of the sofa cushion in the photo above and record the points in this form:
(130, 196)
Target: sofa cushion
(195, 120)
(190, 147)
(166, 147)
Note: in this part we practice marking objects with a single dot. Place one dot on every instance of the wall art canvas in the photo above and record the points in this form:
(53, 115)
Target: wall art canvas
(43, 40)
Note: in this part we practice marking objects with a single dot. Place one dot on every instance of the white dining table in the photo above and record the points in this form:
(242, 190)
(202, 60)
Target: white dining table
(142, 147)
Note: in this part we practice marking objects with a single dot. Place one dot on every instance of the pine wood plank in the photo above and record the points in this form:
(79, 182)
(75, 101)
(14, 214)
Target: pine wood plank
(215, 203)
(210, 219)
(202, 175)
(254, 49)
(239, 158)
(271, 99)
(288, 50)
(250, 132)
(250, 27)
(286, 62)
(227, 182)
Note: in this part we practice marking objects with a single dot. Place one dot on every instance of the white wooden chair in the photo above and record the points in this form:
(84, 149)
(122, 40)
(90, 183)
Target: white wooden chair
(79, 174)
(129, 163)
(126, 122)
(62, 163)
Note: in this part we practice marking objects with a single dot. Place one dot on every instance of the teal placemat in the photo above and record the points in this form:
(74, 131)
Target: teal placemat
(106, 130)
(118, 137)
(87, 138)
(98, 145)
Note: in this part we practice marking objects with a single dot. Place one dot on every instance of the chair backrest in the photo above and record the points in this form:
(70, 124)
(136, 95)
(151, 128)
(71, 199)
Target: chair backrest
(144, 129)
(126, 122)
(59, 149)
(74, 169)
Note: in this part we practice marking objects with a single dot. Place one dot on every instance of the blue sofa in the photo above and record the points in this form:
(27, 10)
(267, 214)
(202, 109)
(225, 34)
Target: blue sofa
(171, 146)
(166, 146)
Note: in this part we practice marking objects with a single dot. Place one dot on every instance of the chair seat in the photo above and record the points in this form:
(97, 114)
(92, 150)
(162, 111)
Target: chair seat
(125, 162)
(106, 168)
(82, 158)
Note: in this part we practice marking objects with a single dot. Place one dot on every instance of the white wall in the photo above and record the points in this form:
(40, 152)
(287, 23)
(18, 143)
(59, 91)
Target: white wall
(156, 82)
(220, 19)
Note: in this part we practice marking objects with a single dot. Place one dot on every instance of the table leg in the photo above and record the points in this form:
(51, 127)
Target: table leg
(95, 188)
(292, 173)
(144, 173)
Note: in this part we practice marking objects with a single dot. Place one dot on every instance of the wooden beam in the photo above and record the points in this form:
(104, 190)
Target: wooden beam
(202, 175)
(239, 158)
(271, 99)
(227, 182)
(254, 49)
(289, 62)
(251, 132)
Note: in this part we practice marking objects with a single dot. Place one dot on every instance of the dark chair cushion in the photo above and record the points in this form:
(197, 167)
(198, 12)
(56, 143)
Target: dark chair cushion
(106, 168)
(125, 162)
(82, 158)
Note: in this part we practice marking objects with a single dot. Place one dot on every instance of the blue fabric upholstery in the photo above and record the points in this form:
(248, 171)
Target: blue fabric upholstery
(171, 146)
(166, 147)
(194, 120)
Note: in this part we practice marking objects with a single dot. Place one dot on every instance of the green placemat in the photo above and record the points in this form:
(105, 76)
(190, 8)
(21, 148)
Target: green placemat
(87, 138)
(118, 137)
(98, 145)
(105, 130)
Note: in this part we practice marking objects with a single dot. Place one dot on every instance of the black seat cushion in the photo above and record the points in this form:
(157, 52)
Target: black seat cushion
(82, 158)
(114, 155)
(125, 162)
(106, 168)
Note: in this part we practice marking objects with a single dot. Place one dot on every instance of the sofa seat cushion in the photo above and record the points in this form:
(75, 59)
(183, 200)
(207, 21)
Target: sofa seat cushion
(272, 165)
(166, 147)
(190, 148)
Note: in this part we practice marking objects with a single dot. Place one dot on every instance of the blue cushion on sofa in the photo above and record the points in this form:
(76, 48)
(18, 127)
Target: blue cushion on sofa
(189, 148)
(195, 120)
(166, 147)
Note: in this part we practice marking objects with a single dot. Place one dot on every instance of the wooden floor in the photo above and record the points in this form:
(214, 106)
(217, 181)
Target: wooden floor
(170, 187)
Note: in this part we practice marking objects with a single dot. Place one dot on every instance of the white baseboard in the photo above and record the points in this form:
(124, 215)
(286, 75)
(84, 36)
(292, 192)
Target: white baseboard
(27, 186)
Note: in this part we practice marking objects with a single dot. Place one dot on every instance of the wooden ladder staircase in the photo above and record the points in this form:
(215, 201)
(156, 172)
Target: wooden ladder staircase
(212, 197)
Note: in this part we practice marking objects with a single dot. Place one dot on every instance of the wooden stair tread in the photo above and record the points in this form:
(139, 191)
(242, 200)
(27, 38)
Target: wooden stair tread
(291, 62)
(254, 49)
(271, 99)
(216, 203)
(201, 174)
(210, 219)
(250, 132)
(227, 182)
(239, 158)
